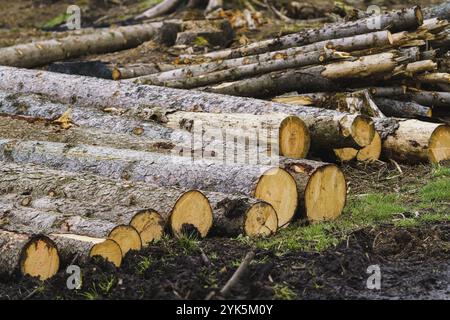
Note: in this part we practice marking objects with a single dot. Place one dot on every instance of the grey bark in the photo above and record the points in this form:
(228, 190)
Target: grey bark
(402, 109)
(441, 11)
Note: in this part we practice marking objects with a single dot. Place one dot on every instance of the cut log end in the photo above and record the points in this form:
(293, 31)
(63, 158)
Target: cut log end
(439, 145)
(363, 130)
(294, 138)
(116, 75)
(371, 152)
(126, 237)
(150, 226)
(193, 209)
(108, 250)
(40, 258)
(345, 154)
(279, 188)
(419, 15)
(325, 194)
(261, 220)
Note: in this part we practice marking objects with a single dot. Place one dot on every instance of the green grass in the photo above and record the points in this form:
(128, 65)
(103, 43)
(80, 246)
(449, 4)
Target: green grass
(56, 21)
(282, 292)
(143, 265)
(424, 204)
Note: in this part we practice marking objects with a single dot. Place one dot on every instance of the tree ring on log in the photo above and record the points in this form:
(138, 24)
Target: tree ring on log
(192, 208)
(362, 130)
(127, 237)
(371, 152)
(277, 187)
(39, 258)
(325, 194)
(261, 220)
(149, 224)
(109, 250)
(294, 138)
(439, 145)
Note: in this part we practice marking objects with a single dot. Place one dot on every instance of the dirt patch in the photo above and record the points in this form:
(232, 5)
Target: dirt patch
(413, 263)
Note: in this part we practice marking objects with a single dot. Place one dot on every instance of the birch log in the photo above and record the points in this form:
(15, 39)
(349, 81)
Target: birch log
(109, 40)
(394, 21)
(327, 128)
(358, 42)
(36, 256)
(157, 203)
(271, 183)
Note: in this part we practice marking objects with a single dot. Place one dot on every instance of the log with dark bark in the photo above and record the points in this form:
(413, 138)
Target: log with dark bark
(297, 61)
(97, 69)
(358, 42)
(312, 79)
(105, 193)
(36, 256)
(109, 40)
(271, 183)
(328, 129)
(426, 98)
(393, 21)
(403, 109)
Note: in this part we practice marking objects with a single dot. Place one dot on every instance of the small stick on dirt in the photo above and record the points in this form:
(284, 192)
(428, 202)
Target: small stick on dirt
(397, 166)
(205, 258)
(238, 274)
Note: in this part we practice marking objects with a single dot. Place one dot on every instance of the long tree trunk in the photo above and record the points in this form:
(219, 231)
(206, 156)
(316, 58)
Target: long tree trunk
(426, 98)
(272, 184)
(441, 11)
(138, 70)
(402, 109)
(328, 129)
(358, 42)
(393, 21)
(109, 40)
(249, 70)
(312, 79)
(36, 256)
(156, 202)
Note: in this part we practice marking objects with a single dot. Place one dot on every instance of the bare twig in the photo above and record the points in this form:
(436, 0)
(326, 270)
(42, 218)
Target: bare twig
(238, 274)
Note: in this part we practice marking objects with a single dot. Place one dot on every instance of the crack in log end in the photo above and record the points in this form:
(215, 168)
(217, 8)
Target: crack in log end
(127, 237)
(325, 194)
(278, 188)
(149, 224)
(39, 258)
(191, 208)
(261, 220)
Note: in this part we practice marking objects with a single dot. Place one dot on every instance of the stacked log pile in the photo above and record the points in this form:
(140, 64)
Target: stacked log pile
(97, 167)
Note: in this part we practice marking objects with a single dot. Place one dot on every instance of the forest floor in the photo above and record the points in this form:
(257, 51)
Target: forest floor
(396, 217)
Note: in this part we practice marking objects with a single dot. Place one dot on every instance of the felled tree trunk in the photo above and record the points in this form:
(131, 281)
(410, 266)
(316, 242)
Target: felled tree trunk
(402, 109)
(358, 42)
(434, 78)
(271, 183)
(161, 8)
(317, 78)
(393, 21)
(65, 186)
(328, 129)
(36, 256)
(426, 98)
(40, 53)
(441, 11)
(231, 74)
(286, 134)
(138, 70)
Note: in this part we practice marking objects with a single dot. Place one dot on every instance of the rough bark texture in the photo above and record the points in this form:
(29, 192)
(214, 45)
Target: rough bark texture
(441, 11)
(150, 102)
(393, 21)
(426, 98)
(138, 70)
(40, 53)
(402, 109)
(110, 199)
(317, 78)
(364, 41)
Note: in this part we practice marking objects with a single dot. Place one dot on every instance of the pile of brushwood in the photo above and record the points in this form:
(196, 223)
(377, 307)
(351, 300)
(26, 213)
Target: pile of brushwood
(97, 167)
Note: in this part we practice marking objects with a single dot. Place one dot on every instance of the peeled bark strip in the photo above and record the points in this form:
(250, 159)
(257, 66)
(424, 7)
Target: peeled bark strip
(159, 9)
(36, 256)
(301, 60)
(393, 21)
(352, 102)
(82, 247)
(272, 184)
(99, 191)
(402, 109)
(328, 129)
(417, 141)
(138, 70)
(38, 106)
(287, 134)
(109, 40)
(364, 41)
(317, 78)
